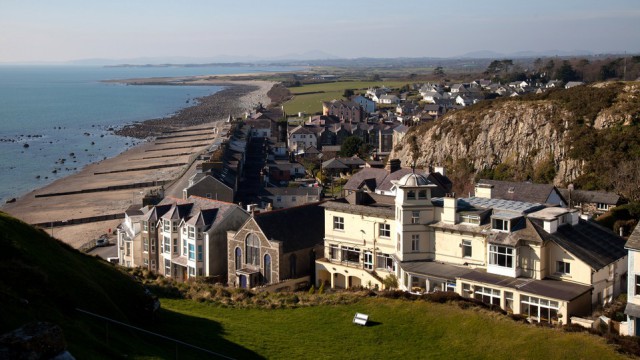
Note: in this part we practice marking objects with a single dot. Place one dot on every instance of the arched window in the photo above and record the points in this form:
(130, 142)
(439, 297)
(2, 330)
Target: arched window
(267, 269)
(238, 258)
(292, 266)
(252, 249)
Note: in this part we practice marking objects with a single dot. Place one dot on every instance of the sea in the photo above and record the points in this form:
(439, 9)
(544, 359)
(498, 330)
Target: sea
(54, 120)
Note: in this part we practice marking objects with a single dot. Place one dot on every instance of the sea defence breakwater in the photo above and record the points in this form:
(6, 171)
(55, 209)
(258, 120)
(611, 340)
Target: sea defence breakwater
(68, 207)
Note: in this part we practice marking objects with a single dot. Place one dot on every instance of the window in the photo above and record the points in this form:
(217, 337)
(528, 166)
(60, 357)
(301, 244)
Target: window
(192, 252)
(145, 262)
(267, 269)
(128, 249)
(338, 223)
(411, 195)
(145, 226)
(422, 194)
(471, 219)
(415, 242)
(153, 246)
(466, 248)
(167, 267)
(293, 199)
(192, 271)
(351, 255)
(238, 258)
(175, 226)
(184, 247)
(637, 285)
(384, 262)
(167, 225)
(603, 207)
(451, 286)
(279, 199)
(563, 267)
(166, 243)
(192, 232)
(539, 309)
(368, 260)
(145, 244)
(487, 295)
(384, 230)
(253, 249)
(415, 217)
(175, 246)
(500, 224)
(153, 264)
(333, 252)
(466, 290)
(199, 252)
(508, 301)
(501, 256)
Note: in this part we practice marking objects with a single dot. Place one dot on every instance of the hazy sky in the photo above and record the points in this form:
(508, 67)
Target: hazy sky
(119, 29)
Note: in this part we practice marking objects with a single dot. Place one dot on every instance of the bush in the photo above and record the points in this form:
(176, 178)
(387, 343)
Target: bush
(442, 297)
(312, 290)
(321, 289)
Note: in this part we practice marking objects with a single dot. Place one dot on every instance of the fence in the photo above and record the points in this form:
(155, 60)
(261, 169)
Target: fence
(176, 342)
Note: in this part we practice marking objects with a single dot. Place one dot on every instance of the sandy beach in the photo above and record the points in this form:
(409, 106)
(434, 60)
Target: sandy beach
(172, 144)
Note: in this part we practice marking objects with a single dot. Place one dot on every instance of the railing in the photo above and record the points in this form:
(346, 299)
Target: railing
(147, 332)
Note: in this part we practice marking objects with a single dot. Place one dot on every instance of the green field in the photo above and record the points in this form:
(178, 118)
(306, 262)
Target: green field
(401, 329)
(313, 95)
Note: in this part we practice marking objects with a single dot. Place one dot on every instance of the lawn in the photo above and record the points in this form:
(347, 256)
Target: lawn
(311, 96)
(401, 329)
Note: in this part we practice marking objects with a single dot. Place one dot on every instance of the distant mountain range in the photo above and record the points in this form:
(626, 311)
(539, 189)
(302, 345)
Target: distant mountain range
(314, 57)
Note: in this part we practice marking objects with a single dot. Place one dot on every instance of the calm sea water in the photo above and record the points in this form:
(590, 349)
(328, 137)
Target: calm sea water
(61, 110)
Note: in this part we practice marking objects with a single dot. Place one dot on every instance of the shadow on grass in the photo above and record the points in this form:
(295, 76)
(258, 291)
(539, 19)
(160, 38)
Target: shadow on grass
(205, 337)
(373, 323)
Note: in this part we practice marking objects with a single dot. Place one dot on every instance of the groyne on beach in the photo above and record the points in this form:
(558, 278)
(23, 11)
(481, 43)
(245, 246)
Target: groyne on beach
(110, 186)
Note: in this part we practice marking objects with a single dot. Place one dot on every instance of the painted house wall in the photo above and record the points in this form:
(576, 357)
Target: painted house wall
(580, 272)
(448, 248)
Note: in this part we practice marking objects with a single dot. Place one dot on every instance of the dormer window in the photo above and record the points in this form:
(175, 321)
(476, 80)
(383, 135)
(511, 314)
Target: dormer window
(500, 224)
(411, 195)
(192, 232)
(422, 194)
(471, 219)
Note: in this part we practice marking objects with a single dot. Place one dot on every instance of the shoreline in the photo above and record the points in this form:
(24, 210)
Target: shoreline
(124, 168)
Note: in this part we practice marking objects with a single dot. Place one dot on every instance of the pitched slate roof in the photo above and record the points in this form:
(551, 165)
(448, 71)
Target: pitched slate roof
(634, 239)
(297, 191)
(588, 241)
(297, 227)
(195, 208)
(519, 191)
(585, 196)
(369, 176)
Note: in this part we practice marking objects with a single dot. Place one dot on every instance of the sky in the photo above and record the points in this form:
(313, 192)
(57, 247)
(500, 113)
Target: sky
(63, 30)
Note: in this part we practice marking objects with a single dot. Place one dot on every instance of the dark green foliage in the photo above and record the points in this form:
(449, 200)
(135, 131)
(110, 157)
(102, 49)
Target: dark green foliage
(350, 146)
(545, 171)
(348, 93)
(566, 72)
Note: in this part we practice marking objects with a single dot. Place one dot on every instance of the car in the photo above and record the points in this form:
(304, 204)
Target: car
(113, 260)
(102, 242)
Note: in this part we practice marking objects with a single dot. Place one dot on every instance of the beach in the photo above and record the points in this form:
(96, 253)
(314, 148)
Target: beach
(108, 187)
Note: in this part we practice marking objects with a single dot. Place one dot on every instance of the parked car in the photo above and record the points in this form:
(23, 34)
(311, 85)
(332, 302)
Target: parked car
(102, 242)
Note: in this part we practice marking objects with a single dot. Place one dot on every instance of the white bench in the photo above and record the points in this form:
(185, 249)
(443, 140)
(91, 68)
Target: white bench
(361, 319)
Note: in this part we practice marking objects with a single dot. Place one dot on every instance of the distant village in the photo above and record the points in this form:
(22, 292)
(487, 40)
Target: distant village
(283, 202)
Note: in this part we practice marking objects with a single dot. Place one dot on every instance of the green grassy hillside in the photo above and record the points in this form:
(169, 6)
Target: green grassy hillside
(43, 279)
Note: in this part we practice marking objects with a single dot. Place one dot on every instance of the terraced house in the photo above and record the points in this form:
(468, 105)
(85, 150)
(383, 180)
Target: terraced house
(528, 258)
(184, 239)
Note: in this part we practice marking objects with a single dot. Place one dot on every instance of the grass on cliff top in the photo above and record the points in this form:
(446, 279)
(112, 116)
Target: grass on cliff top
(43, 279)
(400, 329)
(309, 98)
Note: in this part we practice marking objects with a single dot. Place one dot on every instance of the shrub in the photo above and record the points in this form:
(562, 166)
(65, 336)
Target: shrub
(321, 289)
(312, 290)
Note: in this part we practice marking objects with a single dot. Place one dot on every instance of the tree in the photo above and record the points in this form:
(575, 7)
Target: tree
(348, 93)
(566, 72)
(351, 146)
(376, 77)
(438, 71)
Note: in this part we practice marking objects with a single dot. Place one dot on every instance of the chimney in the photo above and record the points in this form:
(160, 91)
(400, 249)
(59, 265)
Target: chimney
(484, 190)
(450, 207)
(394, 165)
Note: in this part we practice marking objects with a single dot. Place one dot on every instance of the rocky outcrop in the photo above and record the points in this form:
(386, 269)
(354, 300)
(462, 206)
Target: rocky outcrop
(524, 134)
(38, 340)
